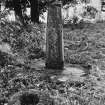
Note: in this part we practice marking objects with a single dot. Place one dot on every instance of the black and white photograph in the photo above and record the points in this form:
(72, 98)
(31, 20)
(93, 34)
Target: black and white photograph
(52, 52)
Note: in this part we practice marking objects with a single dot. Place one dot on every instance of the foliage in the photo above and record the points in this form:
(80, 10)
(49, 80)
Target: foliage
(42, 3)
(26, 39)
(90, 11)
(82, 47)
(81, 13)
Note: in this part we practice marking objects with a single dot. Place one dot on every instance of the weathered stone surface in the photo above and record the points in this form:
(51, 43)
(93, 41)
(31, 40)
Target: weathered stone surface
(54, 38)
(72, 73)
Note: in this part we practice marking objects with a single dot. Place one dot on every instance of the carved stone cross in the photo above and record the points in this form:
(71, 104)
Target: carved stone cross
(54, 37)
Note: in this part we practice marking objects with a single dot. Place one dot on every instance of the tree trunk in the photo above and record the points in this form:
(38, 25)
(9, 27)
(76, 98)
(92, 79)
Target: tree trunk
(18, 9)
(54, 38)
(34, 11)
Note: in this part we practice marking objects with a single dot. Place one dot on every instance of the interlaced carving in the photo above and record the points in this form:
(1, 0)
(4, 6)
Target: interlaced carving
(54, 35)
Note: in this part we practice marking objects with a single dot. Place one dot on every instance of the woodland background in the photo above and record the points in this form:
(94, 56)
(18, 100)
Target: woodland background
(22, 53)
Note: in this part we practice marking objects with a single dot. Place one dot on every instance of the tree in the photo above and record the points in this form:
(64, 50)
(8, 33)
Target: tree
(37, 7)
(18, 9)
(18, 6)
(35, 10)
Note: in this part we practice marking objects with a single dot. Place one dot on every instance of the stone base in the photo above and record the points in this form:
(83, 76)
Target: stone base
(71, 73)
(55, 65)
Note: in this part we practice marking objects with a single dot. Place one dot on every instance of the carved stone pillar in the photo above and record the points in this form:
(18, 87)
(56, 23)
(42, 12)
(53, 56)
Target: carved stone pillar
(54, 37)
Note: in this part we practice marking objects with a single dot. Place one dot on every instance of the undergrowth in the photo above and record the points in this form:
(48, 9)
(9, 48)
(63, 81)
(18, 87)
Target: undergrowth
(81, 48)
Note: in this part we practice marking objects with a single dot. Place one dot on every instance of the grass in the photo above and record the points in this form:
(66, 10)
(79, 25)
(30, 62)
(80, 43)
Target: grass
(83, 46)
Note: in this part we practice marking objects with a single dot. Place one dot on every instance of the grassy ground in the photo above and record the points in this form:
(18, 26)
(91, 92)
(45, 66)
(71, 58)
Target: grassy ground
(84, 47)
(87, 42)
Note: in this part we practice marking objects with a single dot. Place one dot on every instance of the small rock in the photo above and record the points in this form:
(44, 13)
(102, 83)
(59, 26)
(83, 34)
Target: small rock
(29, 97)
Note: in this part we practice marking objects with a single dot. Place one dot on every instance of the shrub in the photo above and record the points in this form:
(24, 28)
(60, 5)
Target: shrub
(27, 39)
(90, 11)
